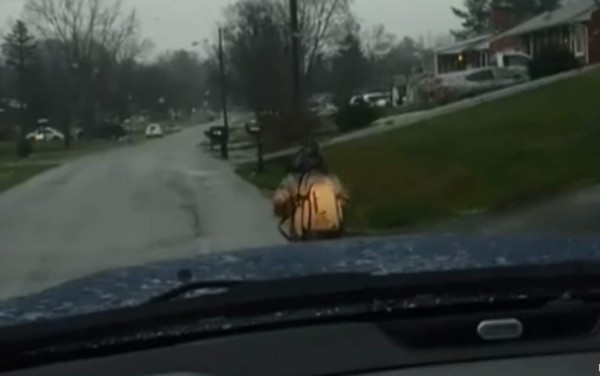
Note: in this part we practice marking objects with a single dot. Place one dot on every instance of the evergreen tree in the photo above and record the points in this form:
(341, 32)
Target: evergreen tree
(19, 53)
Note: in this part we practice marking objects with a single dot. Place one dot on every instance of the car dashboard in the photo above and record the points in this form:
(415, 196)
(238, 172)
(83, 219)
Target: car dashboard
(357, 348)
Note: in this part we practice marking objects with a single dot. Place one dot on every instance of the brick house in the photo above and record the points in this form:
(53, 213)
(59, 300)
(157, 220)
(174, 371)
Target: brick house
(575, 25)
(477, 52)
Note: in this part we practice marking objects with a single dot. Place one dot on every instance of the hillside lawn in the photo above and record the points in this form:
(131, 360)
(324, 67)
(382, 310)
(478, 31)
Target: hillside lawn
(499, 154)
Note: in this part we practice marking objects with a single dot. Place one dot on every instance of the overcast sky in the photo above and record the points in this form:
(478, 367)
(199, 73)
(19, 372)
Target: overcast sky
(175, 24)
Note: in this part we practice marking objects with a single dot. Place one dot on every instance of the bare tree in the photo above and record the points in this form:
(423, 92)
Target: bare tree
(377, 42)
(256, 50)
(323, 24)
(85, 28)
(93, 34)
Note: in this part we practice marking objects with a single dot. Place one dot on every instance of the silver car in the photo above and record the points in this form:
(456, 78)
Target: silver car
(478, 81)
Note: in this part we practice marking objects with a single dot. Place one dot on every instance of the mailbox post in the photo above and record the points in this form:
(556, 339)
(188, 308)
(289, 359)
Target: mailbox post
(254, 129)
(215, 135)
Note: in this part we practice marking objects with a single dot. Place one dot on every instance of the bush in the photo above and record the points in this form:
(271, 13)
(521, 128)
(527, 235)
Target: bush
(552, 60)
(355, 117)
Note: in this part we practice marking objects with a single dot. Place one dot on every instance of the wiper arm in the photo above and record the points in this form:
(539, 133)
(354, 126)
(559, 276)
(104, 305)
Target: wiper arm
(191, 287)
(188, 286)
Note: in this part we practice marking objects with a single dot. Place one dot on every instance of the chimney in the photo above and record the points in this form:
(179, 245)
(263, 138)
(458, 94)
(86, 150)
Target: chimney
(501, 17)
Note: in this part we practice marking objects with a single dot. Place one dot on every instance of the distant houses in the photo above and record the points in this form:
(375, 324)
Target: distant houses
(575, 26)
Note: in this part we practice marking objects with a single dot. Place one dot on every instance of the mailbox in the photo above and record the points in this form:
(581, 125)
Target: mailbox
(215, 135)
(253, 128)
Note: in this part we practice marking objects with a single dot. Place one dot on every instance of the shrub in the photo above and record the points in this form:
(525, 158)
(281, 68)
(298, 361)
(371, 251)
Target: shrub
(356, 117)
(552, 60)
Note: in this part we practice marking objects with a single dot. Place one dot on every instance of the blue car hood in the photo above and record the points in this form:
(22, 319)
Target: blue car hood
(406, 254)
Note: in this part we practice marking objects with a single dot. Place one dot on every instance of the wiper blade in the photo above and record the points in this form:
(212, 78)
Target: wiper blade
(190, 287)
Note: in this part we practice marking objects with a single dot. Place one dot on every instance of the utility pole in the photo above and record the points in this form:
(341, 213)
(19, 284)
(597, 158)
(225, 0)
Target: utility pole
(225, 135)
(21, 93)
(295, 52)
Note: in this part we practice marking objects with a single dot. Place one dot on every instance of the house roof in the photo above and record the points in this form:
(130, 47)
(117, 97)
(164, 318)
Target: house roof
(571, 11)
(478, 43)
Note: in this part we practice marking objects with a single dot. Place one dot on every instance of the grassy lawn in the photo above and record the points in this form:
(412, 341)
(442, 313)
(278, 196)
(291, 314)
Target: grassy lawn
(45, 155)
(14, 175)
(495, 155)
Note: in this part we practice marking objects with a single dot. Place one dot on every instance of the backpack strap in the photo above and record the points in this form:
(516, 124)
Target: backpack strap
(301, 200)
(289, 237)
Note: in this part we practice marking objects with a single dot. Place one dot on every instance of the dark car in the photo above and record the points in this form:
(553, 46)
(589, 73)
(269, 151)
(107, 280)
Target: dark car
(106, 131)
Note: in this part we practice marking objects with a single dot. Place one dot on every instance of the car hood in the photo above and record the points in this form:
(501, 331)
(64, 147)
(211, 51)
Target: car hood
(405, 254)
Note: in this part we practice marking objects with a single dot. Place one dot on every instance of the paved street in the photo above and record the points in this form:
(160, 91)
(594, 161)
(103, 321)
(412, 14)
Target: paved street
(163, 199)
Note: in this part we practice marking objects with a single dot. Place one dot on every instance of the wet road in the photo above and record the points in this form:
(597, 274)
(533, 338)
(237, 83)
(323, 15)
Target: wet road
(163, 199)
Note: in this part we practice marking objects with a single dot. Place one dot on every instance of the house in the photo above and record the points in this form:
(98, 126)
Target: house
(478, 51)
(467, 54)
(575, 25)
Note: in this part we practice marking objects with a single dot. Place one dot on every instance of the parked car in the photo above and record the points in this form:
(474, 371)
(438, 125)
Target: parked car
(326, 109)
(378, 99)
(45, 134)
(107, 131)
(372, 99)
(513, 60)
(154, 130)
(474, 82)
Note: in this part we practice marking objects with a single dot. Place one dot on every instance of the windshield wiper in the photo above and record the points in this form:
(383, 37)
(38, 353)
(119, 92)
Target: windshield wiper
(190, 287)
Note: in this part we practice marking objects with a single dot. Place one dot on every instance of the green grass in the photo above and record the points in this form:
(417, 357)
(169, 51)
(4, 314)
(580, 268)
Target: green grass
(14, 175)
(53, 150)
(498, 154)
(45, 155)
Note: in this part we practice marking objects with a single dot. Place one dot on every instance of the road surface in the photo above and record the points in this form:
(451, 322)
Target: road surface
(163, 199)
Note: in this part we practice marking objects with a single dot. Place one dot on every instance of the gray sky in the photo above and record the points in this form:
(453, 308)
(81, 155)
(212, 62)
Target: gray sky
(175, 24)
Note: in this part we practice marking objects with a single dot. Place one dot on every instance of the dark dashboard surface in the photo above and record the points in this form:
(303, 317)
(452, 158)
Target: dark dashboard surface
(340, 349)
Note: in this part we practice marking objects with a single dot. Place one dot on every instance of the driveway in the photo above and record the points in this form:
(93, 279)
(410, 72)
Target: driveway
(163, 199)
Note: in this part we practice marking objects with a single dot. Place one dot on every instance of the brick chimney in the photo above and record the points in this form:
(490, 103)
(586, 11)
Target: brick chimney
(501, 20)
(501, 17)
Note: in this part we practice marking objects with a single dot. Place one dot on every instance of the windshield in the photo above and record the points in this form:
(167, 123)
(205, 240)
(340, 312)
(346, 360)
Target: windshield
(141, 136)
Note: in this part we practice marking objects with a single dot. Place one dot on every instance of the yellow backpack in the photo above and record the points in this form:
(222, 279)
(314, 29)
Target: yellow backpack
(318, 207)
